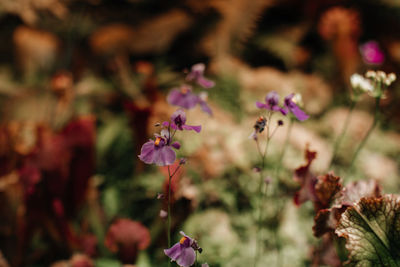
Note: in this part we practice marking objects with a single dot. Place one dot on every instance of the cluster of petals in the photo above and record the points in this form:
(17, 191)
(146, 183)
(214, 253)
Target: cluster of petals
(185, 97)
(159, 151)
(373, 82)
(289, 105)
(183, 252)
(359, 83)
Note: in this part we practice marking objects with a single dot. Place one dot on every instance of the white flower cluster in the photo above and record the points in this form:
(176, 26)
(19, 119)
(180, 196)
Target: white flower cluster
(360, 83)
(381, 77)
(373, 83)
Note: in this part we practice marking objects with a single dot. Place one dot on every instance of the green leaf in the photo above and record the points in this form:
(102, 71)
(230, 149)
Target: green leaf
(372, 231)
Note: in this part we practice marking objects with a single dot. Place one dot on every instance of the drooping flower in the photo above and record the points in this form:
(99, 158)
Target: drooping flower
(271, 103)
(290, 105)
(183, 252)
(157, 152)
(371, 53)
(178, 122)
(197, 75)
(183, 97)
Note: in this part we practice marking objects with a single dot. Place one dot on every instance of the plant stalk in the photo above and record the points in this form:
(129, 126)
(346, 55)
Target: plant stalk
(374, 123)
(339, 139)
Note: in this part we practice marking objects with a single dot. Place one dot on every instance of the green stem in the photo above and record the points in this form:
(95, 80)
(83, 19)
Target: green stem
(374, 123)
(339, 139)
(169, 211)
(285, 146)
(261, 192)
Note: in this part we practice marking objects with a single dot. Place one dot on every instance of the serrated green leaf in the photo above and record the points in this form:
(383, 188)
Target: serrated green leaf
(372, 231)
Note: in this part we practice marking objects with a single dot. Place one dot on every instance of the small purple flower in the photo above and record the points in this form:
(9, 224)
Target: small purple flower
(178, 122)
(157, 152)
(183, 252)
(372, 53)
(203, 96)
(197, 75)
(271, 103)
(183, 97)
(290, 105)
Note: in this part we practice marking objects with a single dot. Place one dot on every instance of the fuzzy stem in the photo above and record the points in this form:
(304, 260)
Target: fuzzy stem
(374, 123)
(339, 139)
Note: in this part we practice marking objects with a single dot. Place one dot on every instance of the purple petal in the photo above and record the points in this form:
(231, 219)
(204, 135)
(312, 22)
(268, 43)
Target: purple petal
(147, 152)
(204, 107)
(179, 113)
(194, 128)
(261, 105)
(173, 126)
(176, 145)
(272, 98)
(164, 156)
(284, 111)
(196, 71)
(300, 115)
(206, 83)
(186, 100)
(187, 257)
(174, 252)
(165, 124)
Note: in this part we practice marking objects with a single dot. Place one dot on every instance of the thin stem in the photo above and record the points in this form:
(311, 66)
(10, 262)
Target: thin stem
(261, 192)
(169, 211)
(339, 139)
(374, 123)
(285, 145)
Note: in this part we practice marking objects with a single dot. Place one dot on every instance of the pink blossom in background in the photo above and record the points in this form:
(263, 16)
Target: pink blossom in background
(371, 53)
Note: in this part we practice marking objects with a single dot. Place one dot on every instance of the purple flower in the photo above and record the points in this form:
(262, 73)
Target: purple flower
(271, 103)
(157, 152)
(372, 53)
(183, 252)
(197, 75)
(178, 122)
(183, 97)
(290, 105)
(203, 104)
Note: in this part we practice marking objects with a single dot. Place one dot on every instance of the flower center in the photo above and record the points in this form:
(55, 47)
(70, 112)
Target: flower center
(184, 90)
(183, 239)
(157, 141)
(178, 121)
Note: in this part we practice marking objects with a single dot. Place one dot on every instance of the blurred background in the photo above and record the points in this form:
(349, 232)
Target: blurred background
(82, 84)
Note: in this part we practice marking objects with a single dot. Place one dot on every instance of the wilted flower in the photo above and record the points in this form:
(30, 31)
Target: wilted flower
(197, 75)
(372, 53)
(178, 122)
(183, 252)
(183, 97)
(271, 103)
(290, 105)
(157, 152)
